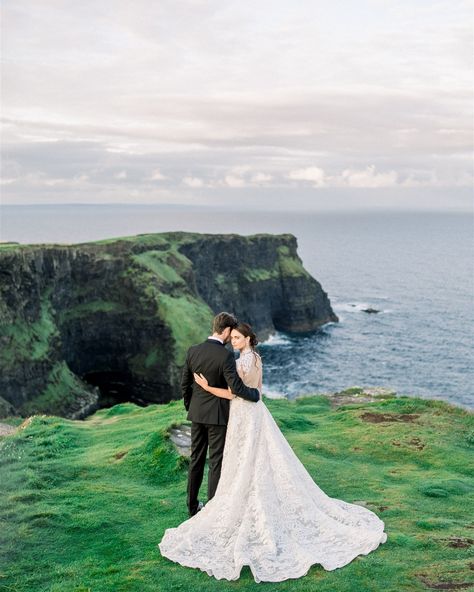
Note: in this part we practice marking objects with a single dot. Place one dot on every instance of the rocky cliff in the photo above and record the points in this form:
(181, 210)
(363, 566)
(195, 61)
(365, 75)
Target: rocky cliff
(91, 324)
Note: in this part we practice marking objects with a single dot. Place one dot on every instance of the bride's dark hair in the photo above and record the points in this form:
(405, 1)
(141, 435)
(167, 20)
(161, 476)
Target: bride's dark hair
(246, 330)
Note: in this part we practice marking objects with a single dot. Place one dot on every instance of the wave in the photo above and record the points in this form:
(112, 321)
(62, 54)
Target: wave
(276, 339)
(273, 394)
(357, 307)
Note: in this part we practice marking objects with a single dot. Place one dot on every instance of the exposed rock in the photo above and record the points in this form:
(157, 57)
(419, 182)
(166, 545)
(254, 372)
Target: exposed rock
(6, 408)
(370, 310)
(6, 430)
(389, 417)
(181, 438)
(93, 324)
(357, 394)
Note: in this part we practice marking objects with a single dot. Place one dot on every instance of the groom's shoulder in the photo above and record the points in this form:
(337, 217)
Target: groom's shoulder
(210, 347)
(204, 346)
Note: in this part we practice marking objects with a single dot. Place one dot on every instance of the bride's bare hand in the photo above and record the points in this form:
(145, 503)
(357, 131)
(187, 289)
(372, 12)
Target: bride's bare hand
(201, 380)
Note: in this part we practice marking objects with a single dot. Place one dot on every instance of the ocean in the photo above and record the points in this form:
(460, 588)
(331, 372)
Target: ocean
(415, 268)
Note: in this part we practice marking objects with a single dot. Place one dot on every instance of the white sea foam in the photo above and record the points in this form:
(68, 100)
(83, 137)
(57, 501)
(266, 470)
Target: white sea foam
(355, 307)
(273, 394)
(276, 339)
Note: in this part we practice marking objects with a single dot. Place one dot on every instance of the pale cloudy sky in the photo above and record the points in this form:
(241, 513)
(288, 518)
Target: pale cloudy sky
(313, 103)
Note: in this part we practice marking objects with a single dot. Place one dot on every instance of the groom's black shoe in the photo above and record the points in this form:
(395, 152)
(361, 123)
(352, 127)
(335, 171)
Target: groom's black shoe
(199, 507)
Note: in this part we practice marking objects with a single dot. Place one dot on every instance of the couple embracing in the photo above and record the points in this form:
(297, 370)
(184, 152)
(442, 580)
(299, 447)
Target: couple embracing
(263, 508)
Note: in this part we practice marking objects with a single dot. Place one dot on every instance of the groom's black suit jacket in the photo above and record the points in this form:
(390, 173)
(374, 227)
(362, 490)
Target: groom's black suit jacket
(217, 364)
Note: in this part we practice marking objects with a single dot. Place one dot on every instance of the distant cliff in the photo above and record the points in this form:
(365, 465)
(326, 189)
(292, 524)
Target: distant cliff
(113, 318)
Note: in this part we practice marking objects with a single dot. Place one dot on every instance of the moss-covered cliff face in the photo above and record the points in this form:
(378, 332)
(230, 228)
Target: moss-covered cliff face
(89, 324)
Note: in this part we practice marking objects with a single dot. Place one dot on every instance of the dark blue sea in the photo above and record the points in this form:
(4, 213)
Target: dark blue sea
(416, 268)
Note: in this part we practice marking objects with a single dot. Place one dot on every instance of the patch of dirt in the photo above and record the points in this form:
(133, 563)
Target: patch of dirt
(6, 429)
(389, 417)
(445, 585)
(120, 455)
(364, 395)
(416, 442)
(459, 542)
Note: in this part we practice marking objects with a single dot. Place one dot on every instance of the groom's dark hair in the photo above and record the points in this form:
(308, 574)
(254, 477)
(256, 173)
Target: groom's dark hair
(222, 321)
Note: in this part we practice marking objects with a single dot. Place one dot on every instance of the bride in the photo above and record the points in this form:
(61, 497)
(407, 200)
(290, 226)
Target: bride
(267, 511)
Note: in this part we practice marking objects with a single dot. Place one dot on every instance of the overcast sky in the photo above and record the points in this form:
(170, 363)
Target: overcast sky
(315, 103)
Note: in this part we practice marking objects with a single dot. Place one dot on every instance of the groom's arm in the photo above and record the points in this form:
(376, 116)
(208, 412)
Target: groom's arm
(235, 382)
(187, 380)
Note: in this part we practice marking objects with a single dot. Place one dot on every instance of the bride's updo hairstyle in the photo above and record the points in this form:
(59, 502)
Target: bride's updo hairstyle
(246, 330)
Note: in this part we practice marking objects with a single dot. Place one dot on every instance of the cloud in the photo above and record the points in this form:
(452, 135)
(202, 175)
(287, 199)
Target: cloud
(157, 175)
(314, 174)
(380, 99)
(261, 178)
(234, 181)
(194, 182)
(243, 176)
(368, 177)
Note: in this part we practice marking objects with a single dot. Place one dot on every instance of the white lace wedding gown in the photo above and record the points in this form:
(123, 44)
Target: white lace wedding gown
(267, 511)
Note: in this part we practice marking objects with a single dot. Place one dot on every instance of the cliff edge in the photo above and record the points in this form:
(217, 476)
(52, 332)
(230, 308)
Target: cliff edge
(92, 324)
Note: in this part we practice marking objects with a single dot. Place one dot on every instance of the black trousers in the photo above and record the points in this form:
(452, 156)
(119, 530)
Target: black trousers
(204, 435)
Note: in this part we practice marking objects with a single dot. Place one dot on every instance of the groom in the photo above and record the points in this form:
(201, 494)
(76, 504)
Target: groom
(209, 414)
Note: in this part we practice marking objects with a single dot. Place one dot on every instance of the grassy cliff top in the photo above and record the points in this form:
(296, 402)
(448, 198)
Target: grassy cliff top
(85, 503)
(151, 239)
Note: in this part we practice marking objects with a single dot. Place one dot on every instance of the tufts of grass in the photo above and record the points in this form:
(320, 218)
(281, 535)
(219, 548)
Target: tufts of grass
(189, 318)
(84, 503)
(89, 308)
(290, 265)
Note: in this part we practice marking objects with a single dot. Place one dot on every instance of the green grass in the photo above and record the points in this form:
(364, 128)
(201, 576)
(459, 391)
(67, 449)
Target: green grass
(290, 266)
(156, 274)
(261, 275)
(84, 503)
(164, 264)
(93, 306)
(189, 319)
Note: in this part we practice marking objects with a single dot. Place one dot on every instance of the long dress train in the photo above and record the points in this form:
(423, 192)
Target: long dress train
(267, 511)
